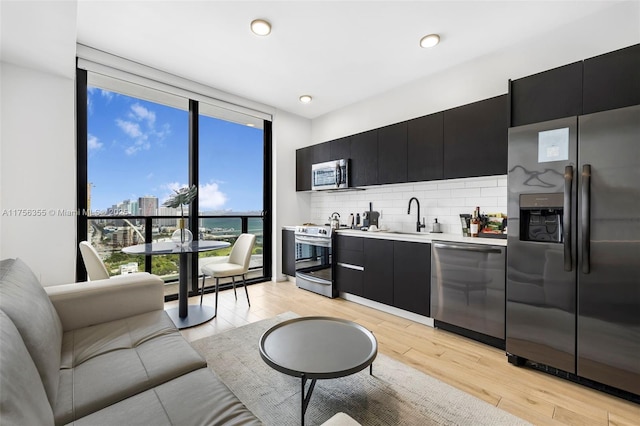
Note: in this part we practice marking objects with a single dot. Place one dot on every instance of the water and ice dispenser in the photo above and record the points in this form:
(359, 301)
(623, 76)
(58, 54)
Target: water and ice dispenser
(541, 217)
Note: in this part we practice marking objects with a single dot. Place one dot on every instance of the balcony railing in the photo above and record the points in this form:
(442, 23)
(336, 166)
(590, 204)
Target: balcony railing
(109, 234)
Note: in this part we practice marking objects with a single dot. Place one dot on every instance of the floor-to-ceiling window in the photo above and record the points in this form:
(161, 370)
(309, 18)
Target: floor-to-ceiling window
(139, 144)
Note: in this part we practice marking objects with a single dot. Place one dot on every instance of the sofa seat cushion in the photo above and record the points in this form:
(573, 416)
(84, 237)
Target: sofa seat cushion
(106, 363)
(23, 400)
(197, 398)
(24, 300)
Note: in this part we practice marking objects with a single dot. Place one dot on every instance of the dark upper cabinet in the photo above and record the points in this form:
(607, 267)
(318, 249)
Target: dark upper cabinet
(392, 153)
(548, 95)
(304, 159)
(378, 270)
(412, 277)
(340, 149)
(425, 147)
(321, 152)
(364, 158)
(288, 253)
(612, 80)
(475, 139)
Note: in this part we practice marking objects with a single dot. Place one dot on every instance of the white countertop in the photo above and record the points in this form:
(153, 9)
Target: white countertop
(422, 237)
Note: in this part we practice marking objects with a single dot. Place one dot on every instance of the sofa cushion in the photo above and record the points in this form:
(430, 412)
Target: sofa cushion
(197, 398)
(24, 300)
(23, 400)
(106, 363)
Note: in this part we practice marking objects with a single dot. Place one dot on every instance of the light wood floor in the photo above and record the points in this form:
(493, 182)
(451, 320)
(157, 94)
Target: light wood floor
(473, 367)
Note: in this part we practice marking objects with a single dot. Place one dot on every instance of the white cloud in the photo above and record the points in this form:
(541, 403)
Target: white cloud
(141, 113)
(131, 129)
(211, 197)
(93, 144)
(106, 94)
(143, 138)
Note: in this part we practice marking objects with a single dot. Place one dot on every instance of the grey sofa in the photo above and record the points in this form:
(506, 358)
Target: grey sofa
(101, 353)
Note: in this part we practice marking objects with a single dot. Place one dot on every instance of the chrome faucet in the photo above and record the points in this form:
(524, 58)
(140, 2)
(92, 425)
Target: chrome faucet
(418, 224)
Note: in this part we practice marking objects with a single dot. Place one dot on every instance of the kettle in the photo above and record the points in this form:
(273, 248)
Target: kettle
(335, 220)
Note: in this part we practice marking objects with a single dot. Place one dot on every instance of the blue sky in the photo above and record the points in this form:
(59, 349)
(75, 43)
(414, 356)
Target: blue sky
(138, 148)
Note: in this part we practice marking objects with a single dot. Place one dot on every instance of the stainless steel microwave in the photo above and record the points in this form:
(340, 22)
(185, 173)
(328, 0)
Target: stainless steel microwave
(330, 175)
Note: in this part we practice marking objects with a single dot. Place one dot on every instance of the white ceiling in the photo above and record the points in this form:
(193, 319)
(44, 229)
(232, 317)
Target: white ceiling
(339, 52)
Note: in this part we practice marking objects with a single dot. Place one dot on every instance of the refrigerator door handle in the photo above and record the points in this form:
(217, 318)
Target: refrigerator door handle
(566, 220)
(586, 218)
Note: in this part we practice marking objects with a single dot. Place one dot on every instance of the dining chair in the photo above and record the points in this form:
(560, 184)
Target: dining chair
(92, 262)
(237, 265)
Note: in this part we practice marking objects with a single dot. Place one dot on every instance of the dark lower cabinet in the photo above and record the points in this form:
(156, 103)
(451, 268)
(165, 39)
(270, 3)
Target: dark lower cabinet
(349, 266)
(349, 280)
(475, 139)
(412, 276)
(288, 253)
(378, 270)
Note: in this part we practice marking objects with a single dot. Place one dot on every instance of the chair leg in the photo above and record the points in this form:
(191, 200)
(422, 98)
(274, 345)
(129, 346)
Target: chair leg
(244, 282)
(233, 280)
(202, 290)
(217, 296)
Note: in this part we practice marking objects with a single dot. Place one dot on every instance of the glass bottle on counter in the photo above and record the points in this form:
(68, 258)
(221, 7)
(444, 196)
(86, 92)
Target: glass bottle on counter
(475, 223)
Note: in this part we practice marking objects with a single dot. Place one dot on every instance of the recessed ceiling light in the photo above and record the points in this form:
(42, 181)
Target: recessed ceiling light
(260, 27)
(305, 99)
(251, 125)
(429, 40)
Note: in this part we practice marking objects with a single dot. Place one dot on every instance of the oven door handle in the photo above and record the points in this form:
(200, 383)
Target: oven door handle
(312, 278)
(316, 241)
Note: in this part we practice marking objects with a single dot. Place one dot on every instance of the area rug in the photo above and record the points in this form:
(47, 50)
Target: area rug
(395, 394)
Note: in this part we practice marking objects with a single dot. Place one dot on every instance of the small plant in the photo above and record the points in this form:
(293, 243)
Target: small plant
(184, 196)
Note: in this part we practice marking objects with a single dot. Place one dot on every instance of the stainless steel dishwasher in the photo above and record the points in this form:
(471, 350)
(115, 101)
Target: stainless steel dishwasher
(468, 290)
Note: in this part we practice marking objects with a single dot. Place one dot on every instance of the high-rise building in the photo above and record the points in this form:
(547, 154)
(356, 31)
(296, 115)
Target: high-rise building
(168, 211)
(148, 205)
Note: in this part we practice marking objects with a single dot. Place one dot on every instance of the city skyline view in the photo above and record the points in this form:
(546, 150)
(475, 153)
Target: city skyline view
(137, 148)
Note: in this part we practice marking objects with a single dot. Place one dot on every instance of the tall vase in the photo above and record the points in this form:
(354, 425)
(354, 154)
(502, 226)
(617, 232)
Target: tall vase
(182, 236)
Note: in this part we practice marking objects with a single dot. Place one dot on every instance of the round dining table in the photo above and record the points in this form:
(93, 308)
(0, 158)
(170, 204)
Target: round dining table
(185, 315)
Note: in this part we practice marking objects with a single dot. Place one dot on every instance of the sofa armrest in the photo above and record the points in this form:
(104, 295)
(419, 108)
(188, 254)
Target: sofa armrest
(94, 302)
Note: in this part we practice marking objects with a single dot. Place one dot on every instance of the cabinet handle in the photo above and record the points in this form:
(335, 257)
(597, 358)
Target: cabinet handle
(350, 266)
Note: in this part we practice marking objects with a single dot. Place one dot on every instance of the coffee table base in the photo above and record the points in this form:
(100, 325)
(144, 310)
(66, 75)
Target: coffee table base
(306, 394)
(196, 315)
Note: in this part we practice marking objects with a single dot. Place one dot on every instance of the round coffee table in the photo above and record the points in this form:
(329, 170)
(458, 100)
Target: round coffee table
(318, 348)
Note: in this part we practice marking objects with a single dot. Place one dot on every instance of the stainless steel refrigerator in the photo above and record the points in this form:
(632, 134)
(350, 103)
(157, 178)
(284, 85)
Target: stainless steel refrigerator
(573, 259)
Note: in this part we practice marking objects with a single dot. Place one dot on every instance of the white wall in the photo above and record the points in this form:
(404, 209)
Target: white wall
(488, 76)
(289, 208)
(38, 171)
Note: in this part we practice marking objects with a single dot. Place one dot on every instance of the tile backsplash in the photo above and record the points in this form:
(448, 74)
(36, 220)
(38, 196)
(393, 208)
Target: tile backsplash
(444, 200)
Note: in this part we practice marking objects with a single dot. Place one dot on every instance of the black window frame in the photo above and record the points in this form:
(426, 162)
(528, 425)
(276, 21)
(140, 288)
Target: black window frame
(83, 181)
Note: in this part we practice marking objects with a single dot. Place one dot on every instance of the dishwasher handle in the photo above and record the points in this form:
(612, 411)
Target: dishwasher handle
(469, 247)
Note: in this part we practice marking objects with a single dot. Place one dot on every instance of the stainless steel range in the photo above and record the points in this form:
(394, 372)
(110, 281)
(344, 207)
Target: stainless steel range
(313, 259)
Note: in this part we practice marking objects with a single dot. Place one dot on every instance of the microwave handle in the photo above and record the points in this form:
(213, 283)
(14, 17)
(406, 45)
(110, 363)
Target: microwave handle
(338, 174)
